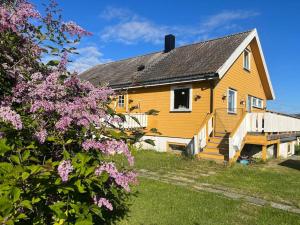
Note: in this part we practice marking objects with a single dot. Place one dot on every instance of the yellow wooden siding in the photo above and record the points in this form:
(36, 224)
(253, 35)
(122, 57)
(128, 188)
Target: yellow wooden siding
(245, 83)
(172, 124)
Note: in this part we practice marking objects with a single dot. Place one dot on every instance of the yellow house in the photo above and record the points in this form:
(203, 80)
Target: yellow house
(211, 97)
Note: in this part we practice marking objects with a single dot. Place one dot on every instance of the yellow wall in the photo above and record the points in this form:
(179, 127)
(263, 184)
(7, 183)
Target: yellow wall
(172, 124)
(186, 124)
(245, 83)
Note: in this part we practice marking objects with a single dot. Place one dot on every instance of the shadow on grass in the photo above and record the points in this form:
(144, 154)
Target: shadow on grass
(291, 163)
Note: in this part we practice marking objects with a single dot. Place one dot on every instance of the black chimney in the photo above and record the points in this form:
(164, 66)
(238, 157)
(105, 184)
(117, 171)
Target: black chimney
(169, 42)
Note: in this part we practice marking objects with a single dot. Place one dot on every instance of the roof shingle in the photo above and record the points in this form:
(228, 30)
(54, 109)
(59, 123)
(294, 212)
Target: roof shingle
(182, 63)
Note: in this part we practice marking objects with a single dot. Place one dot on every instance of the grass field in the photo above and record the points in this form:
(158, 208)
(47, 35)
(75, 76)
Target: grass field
(267, 180)
(160, 203)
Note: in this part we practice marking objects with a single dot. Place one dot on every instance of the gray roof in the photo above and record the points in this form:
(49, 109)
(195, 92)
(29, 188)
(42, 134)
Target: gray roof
(194, 61)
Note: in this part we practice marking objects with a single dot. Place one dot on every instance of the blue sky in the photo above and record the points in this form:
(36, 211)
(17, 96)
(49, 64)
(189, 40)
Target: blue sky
(123, 29)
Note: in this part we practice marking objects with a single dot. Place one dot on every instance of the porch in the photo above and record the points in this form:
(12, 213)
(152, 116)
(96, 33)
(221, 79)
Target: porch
(264, 129)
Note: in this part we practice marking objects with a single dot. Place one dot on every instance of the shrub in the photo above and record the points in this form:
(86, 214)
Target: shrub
(57, 132)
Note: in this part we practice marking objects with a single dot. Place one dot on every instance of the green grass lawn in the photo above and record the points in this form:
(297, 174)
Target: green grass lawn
(162, 203)
(266, 180)
(159, 203)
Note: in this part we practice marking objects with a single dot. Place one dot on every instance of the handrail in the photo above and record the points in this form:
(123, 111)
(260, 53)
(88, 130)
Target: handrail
(200, 139)
(238, 124)
(238, 135)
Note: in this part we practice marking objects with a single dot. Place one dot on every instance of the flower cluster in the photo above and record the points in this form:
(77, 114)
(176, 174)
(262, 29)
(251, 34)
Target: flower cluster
(10, 116)
(73, 29)
(109, 147)
(102, 202)
(12, 18)
(65, 167)
(41, 135)
(122, 179)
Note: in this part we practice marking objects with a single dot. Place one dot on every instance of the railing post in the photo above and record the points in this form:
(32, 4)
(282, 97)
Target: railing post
(196, 145)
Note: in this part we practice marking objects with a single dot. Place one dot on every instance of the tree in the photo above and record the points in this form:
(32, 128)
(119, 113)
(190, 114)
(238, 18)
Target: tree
(58, 133)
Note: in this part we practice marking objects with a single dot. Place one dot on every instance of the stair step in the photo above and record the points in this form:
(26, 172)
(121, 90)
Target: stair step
(211, 150)
(217, 147)
(211, 155)
(215, 144)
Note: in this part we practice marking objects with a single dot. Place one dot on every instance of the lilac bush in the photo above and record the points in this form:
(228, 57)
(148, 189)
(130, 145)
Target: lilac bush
(58, 133)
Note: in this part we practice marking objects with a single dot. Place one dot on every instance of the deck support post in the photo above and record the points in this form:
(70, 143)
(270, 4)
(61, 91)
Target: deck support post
(278, 149)
(264, 153)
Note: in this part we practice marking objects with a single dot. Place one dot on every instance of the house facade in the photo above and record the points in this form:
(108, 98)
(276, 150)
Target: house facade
(211, 98)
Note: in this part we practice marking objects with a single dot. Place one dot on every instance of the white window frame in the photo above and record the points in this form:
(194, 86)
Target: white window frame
(235, 101)
(173, 88)
(121, 104)
(254, 102)
(249, 59)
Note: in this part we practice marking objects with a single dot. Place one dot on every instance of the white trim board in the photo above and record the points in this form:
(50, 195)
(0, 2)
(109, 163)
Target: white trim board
(238, 51)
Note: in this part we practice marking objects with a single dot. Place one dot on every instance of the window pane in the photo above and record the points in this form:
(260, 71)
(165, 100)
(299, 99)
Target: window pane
(182, 98)
(246, 60)
(121, 101)
(231, 101)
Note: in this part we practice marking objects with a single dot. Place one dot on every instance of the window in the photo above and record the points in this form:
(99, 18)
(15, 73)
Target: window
(176, 147)
(257, 102)
(181, 98)
(121, 101)
(232, 101)
(247, 59)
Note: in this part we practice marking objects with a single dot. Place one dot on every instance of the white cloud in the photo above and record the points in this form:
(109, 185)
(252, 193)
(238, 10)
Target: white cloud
(131, 28)
(225, 19)
(88, 56)
(110, 13)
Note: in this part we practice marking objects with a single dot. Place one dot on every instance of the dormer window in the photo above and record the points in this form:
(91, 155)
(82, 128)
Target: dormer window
(247, 60)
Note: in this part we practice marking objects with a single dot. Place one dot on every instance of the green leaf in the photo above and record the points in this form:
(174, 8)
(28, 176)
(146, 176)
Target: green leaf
(15, 159)
(3, 146)
(149, 141)
(154, 130)
(135, 119)
(35, 200)
(5, 206)
(152, 112)
(16, 192)
(53, 63)
(26, 204)
(25, 175)
(56, 208)
(84, 222)
(25, 155)
(66, 154)
(6, 167)
(80, 187)
(69, 141)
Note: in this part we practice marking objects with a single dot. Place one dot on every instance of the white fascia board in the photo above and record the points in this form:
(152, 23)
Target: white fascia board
(238, 51)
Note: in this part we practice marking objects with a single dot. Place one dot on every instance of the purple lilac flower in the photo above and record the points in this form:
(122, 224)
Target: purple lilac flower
(41, 135)
(65, 167)
(73, 29)
(102, 202)
(12, 19)
(63, 123)
(121, 179)
(10, 116)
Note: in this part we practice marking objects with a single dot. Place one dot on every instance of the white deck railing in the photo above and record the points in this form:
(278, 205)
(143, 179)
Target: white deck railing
(269, 122)
(273, 122)
(131, 123)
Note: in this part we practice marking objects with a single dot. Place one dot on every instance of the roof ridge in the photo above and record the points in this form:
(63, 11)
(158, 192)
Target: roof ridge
(217, 38)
